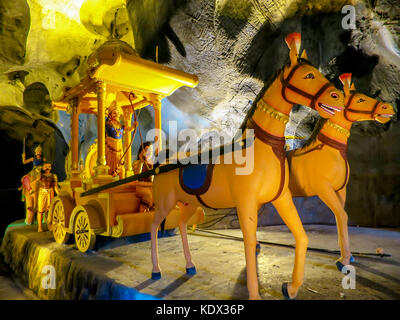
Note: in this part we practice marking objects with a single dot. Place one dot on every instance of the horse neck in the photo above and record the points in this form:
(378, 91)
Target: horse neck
(273, 98)
(339, 121)
(335, 128)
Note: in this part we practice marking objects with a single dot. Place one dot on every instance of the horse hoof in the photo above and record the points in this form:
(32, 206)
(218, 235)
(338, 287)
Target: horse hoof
(258, 249)
(191, 271)
(352, 259)
(339, 265)
(156, 275)
(285, 291)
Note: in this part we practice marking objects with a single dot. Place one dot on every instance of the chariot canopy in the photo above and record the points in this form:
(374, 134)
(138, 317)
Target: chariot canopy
(89, 202)
(114, 72)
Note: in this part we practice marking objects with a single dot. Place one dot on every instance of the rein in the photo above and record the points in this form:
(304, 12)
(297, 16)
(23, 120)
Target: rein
(287, 85)
(372, 113)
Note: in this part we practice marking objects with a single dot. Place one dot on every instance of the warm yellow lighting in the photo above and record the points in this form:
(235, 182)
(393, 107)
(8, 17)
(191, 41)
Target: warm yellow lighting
(69, 8)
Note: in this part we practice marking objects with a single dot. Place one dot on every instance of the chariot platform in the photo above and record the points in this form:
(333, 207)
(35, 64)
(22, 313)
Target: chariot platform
(120, 268)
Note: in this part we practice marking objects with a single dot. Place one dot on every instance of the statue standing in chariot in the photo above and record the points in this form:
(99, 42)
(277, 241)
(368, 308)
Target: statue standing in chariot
(114, 145)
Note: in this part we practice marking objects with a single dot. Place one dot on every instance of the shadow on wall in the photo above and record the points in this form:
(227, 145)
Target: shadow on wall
(12, 170)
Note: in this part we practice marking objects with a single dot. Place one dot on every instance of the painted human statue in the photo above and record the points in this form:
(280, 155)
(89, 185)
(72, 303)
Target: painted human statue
(27, 188)
(114, 145)
(46, 184)
(144, 163)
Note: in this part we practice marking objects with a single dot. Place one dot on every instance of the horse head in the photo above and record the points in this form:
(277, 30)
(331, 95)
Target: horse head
(360, 107)
(303, 84)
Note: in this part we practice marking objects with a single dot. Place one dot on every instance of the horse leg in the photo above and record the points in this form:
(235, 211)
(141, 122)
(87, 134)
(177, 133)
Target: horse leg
(159, 215)
(342, 196)
(288, 212)
(335, 202)
(186, 211)
(247, 214)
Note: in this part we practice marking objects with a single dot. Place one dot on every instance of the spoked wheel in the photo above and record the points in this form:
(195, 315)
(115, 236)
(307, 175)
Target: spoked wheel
(58, 222)
(85, 237)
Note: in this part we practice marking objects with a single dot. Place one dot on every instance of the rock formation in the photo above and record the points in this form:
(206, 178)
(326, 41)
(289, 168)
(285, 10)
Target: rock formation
(233, 46)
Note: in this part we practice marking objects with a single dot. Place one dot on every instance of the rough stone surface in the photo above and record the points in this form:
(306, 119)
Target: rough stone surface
(220, 264)
(27, 253)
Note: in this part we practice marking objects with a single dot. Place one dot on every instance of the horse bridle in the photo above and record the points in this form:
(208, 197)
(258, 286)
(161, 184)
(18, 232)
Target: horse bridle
(372, 113)
(287, 85)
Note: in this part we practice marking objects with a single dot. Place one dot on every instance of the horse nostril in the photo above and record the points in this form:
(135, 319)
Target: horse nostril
(334, 95)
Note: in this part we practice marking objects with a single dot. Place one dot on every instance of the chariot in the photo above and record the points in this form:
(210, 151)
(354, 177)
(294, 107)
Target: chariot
(91, 202)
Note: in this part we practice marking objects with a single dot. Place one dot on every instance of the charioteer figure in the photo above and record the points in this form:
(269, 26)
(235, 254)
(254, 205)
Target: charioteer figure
(144, 163)
(27, 188)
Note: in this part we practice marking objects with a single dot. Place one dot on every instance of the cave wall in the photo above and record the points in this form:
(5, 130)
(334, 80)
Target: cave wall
(233, 46)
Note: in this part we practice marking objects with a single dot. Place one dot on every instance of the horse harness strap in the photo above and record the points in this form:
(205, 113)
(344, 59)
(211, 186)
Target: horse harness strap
(347, 109)
(278, 147)
(317, 147)
(342, 148)
(287, 85)
(277, 144)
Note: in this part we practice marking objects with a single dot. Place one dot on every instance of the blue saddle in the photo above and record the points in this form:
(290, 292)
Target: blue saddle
(195, 179)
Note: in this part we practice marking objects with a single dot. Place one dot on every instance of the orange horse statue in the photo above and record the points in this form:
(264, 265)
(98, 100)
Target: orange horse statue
(298, 82)
(321, 167)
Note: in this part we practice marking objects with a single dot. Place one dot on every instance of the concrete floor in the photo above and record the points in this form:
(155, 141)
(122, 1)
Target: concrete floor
(221, 266)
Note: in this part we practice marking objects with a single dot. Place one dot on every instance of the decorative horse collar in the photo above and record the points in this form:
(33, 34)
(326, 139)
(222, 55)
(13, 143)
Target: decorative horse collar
(287, 85)
(272, 112)
(338, 128)
(372, 113)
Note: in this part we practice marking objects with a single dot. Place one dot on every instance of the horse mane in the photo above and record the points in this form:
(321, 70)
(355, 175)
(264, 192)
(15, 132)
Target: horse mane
(267, 84)
(320, 123)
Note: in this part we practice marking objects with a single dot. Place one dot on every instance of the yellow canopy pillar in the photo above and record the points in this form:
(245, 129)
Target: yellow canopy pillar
(101, 170)
(127, 110)
(156, 102)
(75, 179)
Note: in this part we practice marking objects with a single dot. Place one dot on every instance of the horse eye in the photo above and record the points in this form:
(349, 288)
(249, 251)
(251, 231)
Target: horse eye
(384, 107)
(360, 100)
(309, 76)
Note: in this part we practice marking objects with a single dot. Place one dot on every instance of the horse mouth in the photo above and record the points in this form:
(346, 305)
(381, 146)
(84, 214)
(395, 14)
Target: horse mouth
(329, 109)
(385, 115)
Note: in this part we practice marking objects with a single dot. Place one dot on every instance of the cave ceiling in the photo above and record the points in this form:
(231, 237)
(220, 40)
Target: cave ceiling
(233, 46)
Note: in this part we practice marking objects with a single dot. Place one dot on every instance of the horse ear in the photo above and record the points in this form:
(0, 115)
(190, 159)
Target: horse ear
(345, 78)
(353, 87)
(304, 54)
(293, 41)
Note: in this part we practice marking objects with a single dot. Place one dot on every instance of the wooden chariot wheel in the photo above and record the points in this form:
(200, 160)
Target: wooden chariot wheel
(58, 222)
(85, 237)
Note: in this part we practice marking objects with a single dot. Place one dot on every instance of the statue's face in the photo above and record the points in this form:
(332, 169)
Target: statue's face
(38, 153)
(114, 115)
(47, 167)
(148, 152)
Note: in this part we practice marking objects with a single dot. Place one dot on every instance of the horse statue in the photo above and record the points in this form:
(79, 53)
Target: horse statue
(298, 82)
(321, 167)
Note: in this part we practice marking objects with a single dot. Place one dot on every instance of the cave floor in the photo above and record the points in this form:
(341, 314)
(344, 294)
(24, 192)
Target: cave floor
(221, 270)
